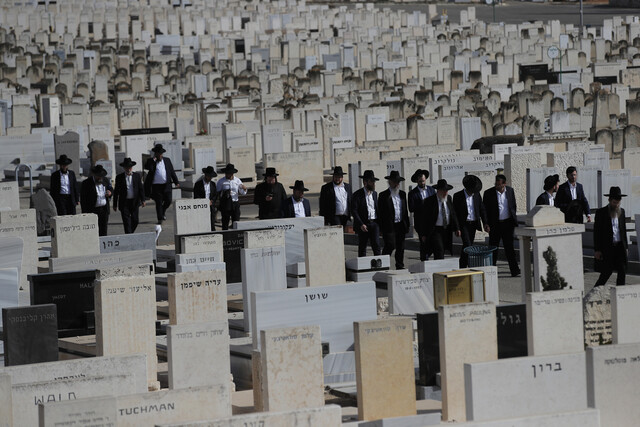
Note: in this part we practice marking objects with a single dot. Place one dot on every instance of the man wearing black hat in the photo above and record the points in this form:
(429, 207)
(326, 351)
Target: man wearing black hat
(157, 183)
(417, 196)
(94, 197)
(129, 194)
(335, 199)
(500, 202)
(297, 206)
(571, 199)
(393, 218)
(551, 184)
(439, 220)
(365, 214)
(610, 239)
(269, 196)
(229, 187)
(64, 187)
(470, 212)
(205, 188)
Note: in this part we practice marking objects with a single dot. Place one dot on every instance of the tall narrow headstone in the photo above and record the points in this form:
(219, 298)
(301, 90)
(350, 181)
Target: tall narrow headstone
(625, 314)
(324, 256)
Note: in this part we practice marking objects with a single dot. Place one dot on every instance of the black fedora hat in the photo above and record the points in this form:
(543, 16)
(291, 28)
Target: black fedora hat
(551, 181)
(209, 171)
(472, 183)
(417, 173)
(368, 174)
(299, 185)
(158, 149)
(270, 172)
(99, 170)
(63, 160)
(394, 176)
(127, 163)
(615, 193)
(442, 185)
(338, 171)
(229, 168)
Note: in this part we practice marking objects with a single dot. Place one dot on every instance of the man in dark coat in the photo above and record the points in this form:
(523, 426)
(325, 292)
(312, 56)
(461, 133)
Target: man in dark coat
(610, 239)
(470, 212)
(335, 199)
(129, 194)
(416, 197)
(439, 220)
(365, 214)
(296, 206)
(551, 184)
(393, 218)
(269, 196)
(157, 183)
(500, 203)
(64, 187)
(94, 197)
(205, 188)
(571, 199)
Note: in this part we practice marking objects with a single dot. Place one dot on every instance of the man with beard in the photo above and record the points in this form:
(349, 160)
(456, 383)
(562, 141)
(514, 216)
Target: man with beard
(64, 189)
(297, 206)
(269, 196)
(94, 197)
(335, 199)
(129, 194)
(550, 188)
(393, 218)
(157, 183)
(417, 196)
(571, 199)
(365, 214)
(439, 220)
(610, 239)
(470, 212)
(229, 188)
(205, 188)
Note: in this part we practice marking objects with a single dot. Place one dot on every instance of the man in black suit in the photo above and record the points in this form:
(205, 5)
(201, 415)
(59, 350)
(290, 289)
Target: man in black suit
(439, 220)
(64, 187)
(296, 206)
(470, 212)
(571, 199)
(393, 218)
(157, 183)
(205, 188)
(269, 196)
(500, 203)
(335, 199)
(94, 197)
(417, 196)
(550, 188)
(610, 239)
(129, 194)
(365, 214)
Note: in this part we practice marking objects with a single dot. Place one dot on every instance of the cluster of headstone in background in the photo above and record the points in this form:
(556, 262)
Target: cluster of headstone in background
(303, 88)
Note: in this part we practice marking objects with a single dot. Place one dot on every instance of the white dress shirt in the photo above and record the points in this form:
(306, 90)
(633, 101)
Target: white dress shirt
(441, 221)
(341, 199)
(423, 193)
(471, 213)
(616, 229)
(551, 199)
(64, 183)
(503, 206)
(371, 206)
(574, 190)
(161, 173)
(102, 197)
(397, 204)
(207, 189)
(129, 180)
(233, 184)
(298, 208)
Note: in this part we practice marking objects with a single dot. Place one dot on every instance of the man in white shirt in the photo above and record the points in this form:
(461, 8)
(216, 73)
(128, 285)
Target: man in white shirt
(129, 195)
(393, 218)
(94, 197)
(229, 188)
(335, 199)
(365, 214)
(571, 199)
(439, 220)
(157, 183)
(297, 206)
(500, 203)
(551, 184)
(610, 239)
(63, 188)
(471, 214)
(416, 198)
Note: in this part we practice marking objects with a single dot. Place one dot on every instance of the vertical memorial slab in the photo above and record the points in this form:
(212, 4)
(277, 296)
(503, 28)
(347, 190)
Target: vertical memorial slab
(30, 334)
(324, 256)
(625, 314)
(199, 296)
(410, 293)
(74, 235)
(192, 216)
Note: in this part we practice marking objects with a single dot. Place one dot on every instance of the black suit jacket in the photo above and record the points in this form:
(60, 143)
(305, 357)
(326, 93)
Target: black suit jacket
(416, 204)
(563, 198)
(460, 206)
(490, 200)
(430, 215)
(151, 167)
(386, 212)
(289, 212)
(120, 191)
(272, 209)
(359, 208)
(73, 186)
(543, 199)
(89, 195)
(603, 237)
(199, 193)
(328, 200)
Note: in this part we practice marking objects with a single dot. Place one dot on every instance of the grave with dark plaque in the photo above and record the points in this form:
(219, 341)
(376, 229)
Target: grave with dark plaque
(428, 348)
(30, 334)
(72, 293)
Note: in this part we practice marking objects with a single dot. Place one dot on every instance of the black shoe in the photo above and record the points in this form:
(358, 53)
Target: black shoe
(515, 273)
